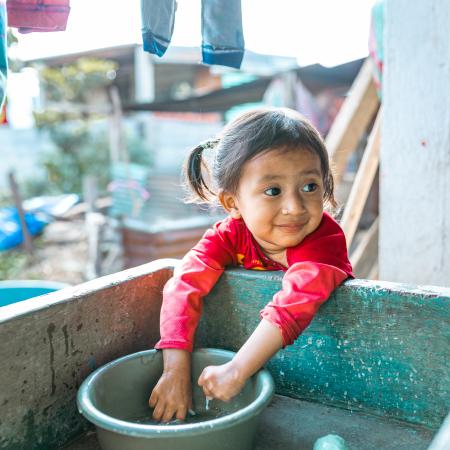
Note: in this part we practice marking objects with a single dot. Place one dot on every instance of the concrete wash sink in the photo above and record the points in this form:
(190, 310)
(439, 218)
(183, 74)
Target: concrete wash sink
(372, 367)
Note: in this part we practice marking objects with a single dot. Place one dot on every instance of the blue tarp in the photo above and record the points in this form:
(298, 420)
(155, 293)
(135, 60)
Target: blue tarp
(39, 211)
(10, 229)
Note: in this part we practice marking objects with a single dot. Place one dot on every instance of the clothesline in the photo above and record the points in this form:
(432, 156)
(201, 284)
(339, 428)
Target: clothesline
(223, 40)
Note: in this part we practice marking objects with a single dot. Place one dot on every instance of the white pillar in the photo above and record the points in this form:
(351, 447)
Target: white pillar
(144, 76)
(415, 147)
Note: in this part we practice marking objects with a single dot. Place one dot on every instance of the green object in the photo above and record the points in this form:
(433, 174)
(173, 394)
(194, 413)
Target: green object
(115, 398)
(330, 442)
(128, 189)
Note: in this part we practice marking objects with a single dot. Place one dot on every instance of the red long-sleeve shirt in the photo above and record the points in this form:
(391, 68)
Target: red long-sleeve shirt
(316, 267)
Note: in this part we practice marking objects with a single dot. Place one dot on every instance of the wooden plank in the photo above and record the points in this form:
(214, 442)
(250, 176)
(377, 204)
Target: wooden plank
(363, 181)
(374, 273)
(352, 120)
(368, 348)
(81, 208)
(366, 253)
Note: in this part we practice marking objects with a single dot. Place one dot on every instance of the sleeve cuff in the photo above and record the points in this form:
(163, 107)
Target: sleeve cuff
(281, 319)
(179, 345)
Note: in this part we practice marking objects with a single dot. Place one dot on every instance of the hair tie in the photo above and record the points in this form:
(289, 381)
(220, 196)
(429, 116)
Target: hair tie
(209, 144)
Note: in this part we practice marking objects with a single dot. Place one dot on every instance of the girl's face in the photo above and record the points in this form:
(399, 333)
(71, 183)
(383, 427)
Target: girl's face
(279, 197)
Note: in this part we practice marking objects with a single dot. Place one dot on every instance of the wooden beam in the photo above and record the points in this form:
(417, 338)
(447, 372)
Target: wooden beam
(82, 208)
(366, 253)
(116, 134)
(363, 181)
(352, 120)
(374, 272)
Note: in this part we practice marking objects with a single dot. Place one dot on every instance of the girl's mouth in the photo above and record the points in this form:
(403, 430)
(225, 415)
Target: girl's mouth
(292, 226)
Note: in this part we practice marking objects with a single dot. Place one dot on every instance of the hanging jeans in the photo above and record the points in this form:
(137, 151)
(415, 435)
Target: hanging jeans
(222, 36)
(3, 58)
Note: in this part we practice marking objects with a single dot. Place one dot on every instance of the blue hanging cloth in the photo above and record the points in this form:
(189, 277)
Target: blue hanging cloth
(158, 18)
(223, 38)
(222, 35)
(3, 58)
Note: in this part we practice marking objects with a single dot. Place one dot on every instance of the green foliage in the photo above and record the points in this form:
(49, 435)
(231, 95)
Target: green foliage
(80, 140)
(76, 82)
(10, 38)
(11, 264)
(14, 65)
(81, 150)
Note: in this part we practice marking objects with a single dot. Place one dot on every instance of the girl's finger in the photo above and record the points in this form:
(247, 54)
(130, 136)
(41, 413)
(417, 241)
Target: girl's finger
(168, 414)
(203, 376)
(207, 392)
(181, 413)
(153, 399)
(158, 411)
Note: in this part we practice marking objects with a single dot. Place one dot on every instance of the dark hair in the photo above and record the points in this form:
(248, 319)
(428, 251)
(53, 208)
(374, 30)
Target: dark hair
(245, 137)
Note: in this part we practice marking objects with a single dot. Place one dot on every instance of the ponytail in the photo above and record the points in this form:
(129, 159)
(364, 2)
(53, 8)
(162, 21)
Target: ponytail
(329, 191)
(194, 173)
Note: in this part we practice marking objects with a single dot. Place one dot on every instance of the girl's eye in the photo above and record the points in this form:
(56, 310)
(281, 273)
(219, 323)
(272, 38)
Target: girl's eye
(310, 187)
(272, 192)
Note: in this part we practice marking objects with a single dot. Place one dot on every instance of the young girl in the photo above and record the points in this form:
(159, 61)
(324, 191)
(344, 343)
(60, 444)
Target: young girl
(271, 174)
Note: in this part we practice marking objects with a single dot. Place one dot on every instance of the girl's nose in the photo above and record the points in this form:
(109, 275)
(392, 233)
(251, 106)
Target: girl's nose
(293, 205)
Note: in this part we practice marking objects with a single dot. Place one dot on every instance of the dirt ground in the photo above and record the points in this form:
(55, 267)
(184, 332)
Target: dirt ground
(59, 254)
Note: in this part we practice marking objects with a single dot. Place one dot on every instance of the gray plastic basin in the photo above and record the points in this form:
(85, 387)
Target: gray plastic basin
(115, 399)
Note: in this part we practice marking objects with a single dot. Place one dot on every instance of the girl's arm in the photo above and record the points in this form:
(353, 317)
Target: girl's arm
(195, 276)
(306, 286)
(193, 279)
(172, 396)
(225, 381)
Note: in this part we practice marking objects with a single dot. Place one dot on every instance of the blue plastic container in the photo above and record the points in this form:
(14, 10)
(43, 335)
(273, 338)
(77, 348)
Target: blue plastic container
(14, 291)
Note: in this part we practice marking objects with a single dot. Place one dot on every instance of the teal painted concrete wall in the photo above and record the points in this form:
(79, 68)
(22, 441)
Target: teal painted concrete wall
(381, 347)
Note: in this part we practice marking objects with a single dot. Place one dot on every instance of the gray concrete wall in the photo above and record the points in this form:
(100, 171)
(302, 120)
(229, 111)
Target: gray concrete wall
(20, 150)
(415, 148)
(49, 344)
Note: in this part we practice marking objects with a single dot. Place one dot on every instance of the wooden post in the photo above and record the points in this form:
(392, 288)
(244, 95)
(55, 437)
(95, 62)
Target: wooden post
(363, 181)
(27, 244)
(365, 255)
(94, 222)
(118, 147)
(352, 120)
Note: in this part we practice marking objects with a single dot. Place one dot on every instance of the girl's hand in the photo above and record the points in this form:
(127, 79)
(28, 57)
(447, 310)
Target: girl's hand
(221, 382)
(172, 395)
(225, 381)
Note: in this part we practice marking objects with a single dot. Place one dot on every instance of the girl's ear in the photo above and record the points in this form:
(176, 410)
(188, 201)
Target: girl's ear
(229, 203)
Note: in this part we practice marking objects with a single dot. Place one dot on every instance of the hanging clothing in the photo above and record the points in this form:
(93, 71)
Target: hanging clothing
(222, 36)
(38, 15)
(3, 58)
